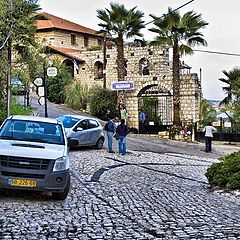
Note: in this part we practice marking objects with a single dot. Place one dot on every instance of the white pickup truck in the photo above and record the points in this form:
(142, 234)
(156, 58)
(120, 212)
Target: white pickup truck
(34, 155)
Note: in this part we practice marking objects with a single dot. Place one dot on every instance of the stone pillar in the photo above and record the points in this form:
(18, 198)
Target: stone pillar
(132, 107)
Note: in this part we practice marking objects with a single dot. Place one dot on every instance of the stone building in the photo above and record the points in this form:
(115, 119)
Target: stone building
(147, 68)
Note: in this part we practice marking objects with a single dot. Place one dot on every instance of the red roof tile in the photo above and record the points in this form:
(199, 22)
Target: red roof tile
(68, 52)
(60, 23)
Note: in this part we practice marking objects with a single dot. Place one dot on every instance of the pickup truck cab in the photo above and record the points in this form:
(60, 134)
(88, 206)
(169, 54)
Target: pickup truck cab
(34, 155)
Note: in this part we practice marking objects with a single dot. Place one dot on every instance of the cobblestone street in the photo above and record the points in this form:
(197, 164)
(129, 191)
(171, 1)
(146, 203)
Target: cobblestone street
(137, 196)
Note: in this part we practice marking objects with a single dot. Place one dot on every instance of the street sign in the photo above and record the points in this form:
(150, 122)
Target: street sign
(216, 124)
(227, 124)
(38, 82)
(51, 71)
(41, 91)
(122, 85)
(41, 101)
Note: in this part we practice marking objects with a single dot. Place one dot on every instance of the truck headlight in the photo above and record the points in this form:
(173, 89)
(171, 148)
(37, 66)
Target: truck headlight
(61, 164)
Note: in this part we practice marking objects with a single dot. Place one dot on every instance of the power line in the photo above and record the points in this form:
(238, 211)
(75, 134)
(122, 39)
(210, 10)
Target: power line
(11, 26)
(171, 11)
(222, 53)
(8, 36)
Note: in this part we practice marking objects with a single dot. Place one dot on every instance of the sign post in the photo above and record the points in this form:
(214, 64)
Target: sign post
(41, 85)
(45, 90)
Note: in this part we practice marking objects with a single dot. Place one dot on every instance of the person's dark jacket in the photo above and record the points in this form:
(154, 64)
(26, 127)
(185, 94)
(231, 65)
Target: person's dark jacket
(110, 126)
(122, 130)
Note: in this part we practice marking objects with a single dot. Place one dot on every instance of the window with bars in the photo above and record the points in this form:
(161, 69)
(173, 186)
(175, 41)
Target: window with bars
(73, 39)
(86, 41)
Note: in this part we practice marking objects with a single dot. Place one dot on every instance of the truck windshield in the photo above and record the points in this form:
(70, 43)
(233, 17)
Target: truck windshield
(32, 131)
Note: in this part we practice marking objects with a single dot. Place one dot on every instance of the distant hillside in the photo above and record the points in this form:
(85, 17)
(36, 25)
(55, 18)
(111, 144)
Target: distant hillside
(214, 103)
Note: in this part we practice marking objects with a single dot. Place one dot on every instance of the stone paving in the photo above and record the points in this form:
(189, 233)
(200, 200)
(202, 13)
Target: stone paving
(137, 196)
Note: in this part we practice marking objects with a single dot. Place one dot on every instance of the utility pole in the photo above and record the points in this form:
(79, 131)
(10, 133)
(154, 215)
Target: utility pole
(9, 49)
(104, 59)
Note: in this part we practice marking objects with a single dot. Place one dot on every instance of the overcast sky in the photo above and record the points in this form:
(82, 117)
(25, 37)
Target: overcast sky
(222, 33)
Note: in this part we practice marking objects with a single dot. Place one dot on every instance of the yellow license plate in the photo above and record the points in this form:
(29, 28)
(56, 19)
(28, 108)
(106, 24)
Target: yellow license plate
(23, 183)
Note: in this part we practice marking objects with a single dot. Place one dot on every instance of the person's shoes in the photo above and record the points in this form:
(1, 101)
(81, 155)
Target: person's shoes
(111, 151)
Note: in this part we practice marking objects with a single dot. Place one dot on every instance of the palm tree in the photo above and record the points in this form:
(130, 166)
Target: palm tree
(120, 23)
(207, 112)
(181, 33)
(233, 86)
(18, 18)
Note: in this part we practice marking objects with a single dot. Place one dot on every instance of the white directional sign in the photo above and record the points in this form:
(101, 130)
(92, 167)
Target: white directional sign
(38, 82)
(122, 85)
(227, 124)
(41, 101)
(52, 71)
(41, 91)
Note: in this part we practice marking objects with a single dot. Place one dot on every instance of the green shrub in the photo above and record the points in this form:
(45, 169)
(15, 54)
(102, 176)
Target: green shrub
(76, 95)
(3, 110)
(55, 85)
(173, 131)
(101, 100)
(226, 173)
(94, 48)
(16, 109)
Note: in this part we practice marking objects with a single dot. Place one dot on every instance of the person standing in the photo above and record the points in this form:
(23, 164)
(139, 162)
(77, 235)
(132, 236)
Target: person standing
(141, 120)
(122, 131)
(209, 129)
(110, 128)
(123, 113)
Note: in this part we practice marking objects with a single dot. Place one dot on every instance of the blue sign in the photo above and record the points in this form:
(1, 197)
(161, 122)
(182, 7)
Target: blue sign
(122, 85)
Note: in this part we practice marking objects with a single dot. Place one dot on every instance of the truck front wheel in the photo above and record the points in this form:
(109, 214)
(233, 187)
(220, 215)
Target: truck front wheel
(62, 195)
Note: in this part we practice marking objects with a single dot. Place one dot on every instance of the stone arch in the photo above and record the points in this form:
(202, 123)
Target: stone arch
(144, 88)
(98, 70)
(144, 66)
(158, 103)
(70, 66)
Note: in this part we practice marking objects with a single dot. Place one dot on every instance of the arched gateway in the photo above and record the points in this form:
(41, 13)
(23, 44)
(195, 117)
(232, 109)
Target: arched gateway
(157, 104)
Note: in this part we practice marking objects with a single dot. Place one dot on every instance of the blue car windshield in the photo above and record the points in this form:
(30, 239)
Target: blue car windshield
(32, 131)
(68, 121)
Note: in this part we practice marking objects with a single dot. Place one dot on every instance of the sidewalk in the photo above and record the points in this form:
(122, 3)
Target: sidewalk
(192, 148)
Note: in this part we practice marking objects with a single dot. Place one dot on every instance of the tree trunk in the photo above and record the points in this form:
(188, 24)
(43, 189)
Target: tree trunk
(120, 68)
(176, 85)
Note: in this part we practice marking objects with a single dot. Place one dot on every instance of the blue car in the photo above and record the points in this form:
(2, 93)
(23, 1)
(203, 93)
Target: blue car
(87, 130)
(17, 86)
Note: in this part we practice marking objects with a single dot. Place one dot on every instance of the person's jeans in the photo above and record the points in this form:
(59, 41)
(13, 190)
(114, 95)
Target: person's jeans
(110, 141)
(208, 144)
(142, 127)
(122, 145)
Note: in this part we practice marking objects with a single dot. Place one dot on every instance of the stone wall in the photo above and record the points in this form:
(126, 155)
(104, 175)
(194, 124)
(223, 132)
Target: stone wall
(160, 75)
(157, 77)
(62, 39)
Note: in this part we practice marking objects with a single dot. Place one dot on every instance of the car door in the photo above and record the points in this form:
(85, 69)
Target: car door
(94, 131)
(82, 132)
